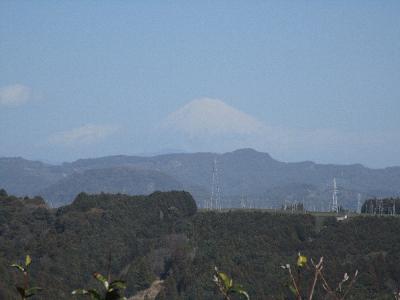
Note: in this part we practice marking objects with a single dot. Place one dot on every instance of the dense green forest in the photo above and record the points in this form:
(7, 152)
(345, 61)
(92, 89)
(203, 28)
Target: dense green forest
(164, 236)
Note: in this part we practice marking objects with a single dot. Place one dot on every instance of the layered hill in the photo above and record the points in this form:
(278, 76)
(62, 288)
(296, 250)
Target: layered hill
(25, 177)
(110, 180)
(244, 173)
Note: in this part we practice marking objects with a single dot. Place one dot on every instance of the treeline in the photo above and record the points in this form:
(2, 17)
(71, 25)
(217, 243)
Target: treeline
(384, 206)
(163, 236)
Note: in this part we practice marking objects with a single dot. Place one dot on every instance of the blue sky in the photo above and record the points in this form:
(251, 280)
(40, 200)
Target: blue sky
(308, 80)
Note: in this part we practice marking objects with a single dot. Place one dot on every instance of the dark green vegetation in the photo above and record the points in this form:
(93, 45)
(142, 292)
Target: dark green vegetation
(163, 235)
(262, 180)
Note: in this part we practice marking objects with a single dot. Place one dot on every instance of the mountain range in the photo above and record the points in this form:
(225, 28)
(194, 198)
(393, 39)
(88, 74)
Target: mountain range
(245, 177)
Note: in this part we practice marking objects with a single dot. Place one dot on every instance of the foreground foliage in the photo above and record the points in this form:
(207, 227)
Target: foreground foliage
(316, 269)
(25, 291)
(112, 290)
(163, 236)
(227, 287)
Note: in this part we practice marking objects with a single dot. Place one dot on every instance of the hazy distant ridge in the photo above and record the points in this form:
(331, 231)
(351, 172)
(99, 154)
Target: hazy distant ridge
(263, 180)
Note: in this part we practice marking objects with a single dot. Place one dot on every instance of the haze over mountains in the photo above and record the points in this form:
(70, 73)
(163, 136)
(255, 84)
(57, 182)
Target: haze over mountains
(244, 175)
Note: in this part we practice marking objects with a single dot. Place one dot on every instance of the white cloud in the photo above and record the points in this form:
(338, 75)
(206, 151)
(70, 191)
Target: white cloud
(14, 95)
(85, 135)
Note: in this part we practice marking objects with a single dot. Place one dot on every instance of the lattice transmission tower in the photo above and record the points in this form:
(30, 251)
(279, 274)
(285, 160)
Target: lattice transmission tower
(359, 206)
(334, 204)
(215, 200)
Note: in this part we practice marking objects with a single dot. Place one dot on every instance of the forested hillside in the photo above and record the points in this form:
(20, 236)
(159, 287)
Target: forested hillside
(164, 236)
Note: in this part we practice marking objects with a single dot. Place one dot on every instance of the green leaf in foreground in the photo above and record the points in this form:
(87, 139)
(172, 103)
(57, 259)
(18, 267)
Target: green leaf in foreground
(301, 260)
(112, 291)
(92, 293)
(19, 267)
(240, 291)
(32, 291)
(225, 279)
(118, 284)
(226, 286)
(28, 260)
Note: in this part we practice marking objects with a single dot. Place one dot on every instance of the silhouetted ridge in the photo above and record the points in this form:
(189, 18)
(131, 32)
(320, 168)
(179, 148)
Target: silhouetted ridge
(180, 203)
